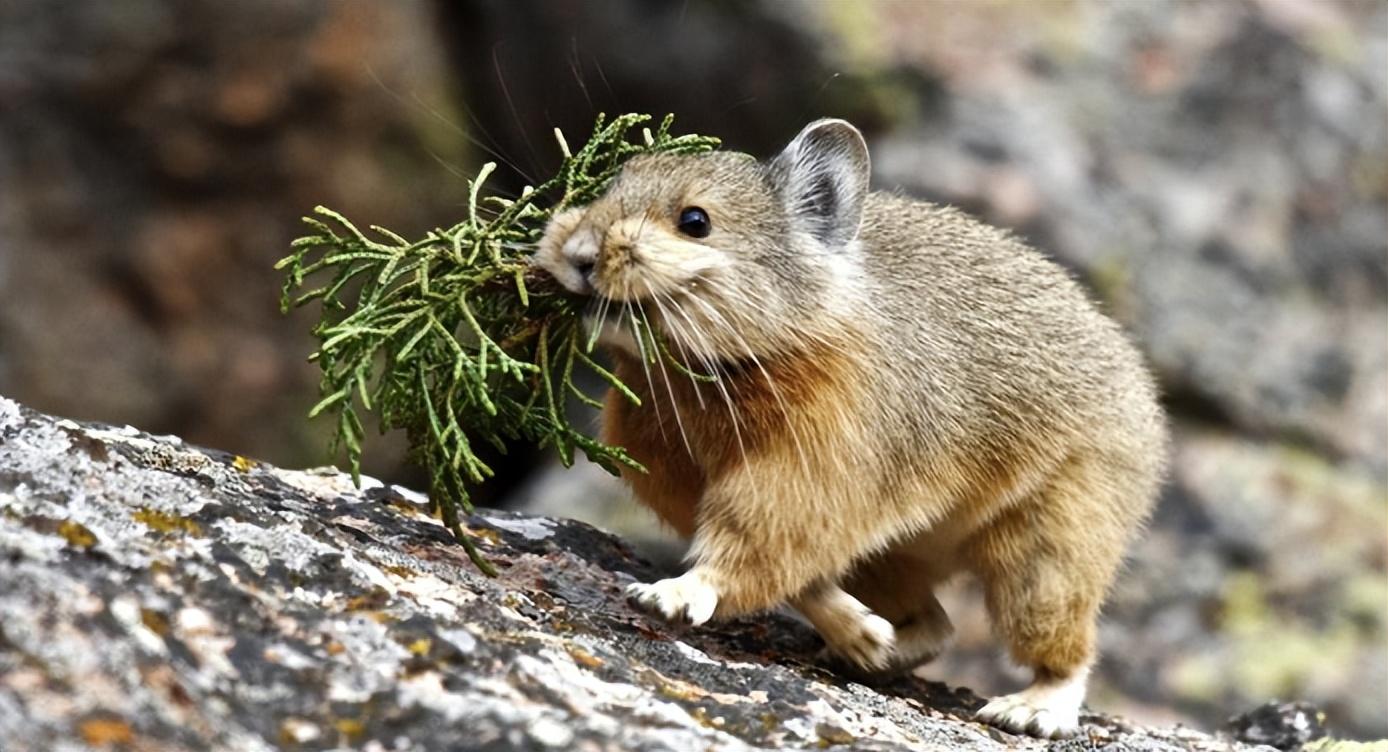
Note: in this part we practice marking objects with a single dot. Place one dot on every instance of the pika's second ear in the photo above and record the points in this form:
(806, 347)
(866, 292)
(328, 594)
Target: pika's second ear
(823, 175)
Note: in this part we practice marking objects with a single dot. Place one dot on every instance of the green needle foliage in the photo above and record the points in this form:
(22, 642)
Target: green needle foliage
(455, 337)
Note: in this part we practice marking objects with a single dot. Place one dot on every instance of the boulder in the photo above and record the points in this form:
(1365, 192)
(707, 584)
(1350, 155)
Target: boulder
(161, 596)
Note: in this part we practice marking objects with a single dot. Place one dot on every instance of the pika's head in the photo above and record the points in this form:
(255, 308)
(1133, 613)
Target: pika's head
(727, 256)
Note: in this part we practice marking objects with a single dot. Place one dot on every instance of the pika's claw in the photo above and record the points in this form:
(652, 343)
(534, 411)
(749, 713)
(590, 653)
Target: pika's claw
(687, 599)
(1048, 709)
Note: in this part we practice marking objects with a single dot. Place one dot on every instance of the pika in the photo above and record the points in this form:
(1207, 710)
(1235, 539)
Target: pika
(869, 395)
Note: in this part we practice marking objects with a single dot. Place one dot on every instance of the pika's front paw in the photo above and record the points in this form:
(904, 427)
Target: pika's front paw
(687, 599)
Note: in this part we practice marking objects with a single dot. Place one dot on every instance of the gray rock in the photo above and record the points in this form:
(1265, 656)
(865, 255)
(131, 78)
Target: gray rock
(1284, 725)
(159, 596)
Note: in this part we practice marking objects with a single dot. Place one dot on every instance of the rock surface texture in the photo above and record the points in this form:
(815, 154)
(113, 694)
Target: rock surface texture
(158, 596)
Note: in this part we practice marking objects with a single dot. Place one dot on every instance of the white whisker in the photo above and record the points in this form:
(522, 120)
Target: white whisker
(706, 358)
(770, 382)
(674, 403)
(645, 366)
(676, 337)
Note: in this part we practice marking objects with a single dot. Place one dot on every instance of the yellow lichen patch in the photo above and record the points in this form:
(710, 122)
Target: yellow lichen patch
(583, 657)
(163, 522)
(349, 727)
(154, 621)
(674, 689)
(76, 534)
(243, 464)
(420, 647)
(375, 598)
(486, 534)
(701, 715)
(106, 732)
(405, 506)
(830, 736)
(562, 627)
(679, 690)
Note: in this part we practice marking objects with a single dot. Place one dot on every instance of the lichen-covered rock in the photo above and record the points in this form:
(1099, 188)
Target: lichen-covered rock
(158, 596)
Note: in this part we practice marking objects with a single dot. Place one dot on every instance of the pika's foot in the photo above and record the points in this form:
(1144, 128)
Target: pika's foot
(867, 643)
(1049, 708)
(898, 650)
(853, 635)
(687, 599)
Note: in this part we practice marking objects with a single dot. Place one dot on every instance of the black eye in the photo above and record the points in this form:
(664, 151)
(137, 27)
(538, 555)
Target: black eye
(694, 222)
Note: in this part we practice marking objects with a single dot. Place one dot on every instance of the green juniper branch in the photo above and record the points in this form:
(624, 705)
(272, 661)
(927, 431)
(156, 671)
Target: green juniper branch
(453, 337)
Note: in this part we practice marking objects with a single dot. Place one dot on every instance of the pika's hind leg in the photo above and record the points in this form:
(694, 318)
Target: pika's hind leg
(850, 629)
(1046, 564)
(901, 589)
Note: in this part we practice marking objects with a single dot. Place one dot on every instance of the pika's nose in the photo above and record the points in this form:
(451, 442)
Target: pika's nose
(584, 276)
(585, 270)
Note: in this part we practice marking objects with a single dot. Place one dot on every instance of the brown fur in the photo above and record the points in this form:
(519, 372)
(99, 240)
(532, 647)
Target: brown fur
(725, 454)
(904, 394)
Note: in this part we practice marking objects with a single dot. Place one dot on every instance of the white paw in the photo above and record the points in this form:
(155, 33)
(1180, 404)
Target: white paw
(687, 599)
(1048, 709)
(869, 644)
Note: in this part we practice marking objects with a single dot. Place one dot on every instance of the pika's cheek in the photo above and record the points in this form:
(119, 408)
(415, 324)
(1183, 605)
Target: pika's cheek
(561, 226)
(677, 262)
(547, 258)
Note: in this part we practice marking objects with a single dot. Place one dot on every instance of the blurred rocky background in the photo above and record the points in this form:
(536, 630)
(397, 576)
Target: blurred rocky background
(1216, 172)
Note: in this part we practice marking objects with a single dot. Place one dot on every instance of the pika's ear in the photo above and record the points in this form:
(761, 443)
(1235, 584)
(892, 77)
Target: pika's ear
(823, 175)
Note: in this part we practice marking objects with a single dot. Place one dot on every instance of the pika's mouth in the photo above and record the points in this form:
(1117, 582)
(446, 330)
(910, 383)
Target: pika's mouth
(629, 325)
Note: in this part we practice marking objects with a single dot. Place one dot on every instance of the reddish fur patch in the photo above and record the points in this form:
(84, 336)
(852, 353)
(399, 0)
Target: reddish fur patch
(672, 485)
(769, 420)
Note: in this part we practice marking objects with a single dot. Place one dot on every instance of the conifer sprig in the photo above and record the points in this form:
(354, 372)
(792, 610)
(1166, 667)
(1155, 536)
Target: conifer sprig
(454, 337)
